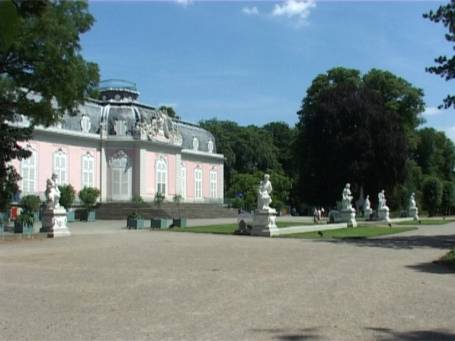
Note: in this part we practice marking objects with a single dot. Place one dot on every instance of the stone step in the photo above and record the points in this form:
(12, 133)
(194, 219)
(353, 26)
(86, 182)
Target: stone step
(167, 210)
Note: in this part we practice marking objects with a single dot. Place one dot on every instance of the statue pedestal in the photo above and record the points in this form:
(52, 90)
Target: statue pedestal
(264, 223)
(348, 216)
(383, 214)
(367, 213)
(54, 223)
(414, 213)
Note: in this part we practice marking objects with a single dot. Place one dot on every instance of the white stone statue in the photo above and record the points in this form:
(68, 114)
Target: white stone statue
(367, 203)
(52, 192)
(346, 198)
(264, 193)
(54, 216)
(412, 201)
(382, 200)
(413, 211)
(367, 211)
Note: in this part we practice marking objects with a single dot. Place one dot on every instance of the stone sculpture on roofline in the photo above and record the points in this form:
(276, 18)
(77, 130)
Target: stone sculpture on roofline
(54, 216)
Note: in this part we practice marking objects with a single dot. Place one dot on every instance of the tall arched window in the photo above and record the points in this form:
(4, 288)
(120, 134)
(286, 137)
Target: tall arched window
(183, 181)
(198, 183)
(213, 184)
(161, 176)
(88, 171)
(120, 176)
(29, 173)
(61, 167)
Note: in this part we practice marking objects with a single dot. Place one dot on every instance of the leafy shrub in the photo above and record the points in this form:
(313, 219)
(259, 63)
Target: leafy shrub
(30, 203)
(67, 195)
(88, 196)
(159, 198)
(135, 215)
(432, 194)
(137, 199)
(26, 218)
(448, 197)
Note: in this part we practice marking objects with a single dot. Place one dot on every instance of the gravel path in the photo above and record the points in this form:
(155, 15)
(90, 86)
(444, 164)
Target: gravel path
(110, 284)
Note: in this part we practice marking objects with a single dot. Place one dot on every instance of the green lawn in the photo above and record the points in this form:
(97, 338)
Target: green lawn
(426, 222)
(358, 232)
(228, 228)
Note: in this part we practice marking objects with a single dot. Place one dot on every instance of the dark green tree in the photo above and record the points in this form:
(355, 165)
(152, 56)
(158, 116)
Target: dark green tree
(445, 65)
(355, 129)
(448, 197)
(431, 194)
(42, 72)
(283, 138)
(246, 149)
(169, 111)
(435, 153)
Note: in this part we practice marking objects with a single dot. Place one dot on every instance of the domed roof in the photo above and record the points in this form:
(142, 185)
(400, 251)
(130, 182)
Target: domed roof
(121, 115)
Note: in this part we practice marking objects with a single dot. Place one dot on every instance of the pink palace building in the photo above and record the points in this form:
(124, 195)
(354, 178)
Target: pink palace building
(126, 149)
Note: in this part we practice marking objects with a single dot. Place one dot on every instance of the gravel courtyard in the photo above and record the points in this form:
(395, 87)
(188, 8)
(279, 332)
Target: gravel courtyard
(110, 284)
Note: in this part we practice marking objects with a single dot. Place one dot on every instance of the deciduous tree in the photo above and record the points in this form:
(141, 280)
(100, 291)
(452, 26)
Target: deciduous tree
(42, 72)
(445, 65)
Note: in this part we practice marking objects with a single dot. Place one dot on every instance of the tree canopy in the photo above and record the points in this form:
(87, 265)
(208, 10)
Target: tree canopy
(445, 65)
(356, 129)
(42, 72)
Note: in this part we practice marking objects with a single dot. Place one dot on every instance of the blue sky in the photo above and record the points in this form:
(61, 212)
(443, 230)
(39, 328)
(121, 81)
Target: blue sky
(251, 62)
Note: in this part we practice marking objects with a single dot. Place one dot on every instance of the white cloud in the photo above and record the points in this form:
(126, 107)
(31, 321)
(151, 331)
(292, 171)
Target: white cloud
(184, 3)
(299, 9)
(432, 111)
(250, 10)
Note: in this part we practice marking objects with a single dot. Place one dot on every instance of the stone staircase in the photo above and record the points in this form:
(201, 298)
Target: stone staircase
(120, 210)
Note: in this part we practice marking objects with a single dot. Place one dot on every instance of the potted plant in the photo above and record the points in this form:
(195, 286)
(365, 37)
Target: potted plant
(89, 196)
(24, 222)
(3, 220)
(67, 196)
(161, 223)
(31, 204)
(178, 222)
(135, 221)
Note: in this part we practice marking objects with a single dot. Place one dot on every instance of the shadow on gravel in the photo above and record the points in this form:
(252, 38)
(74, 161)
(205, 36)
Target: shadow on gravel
(290, 334)
(414, 335)
(433, 268)
(404, 242)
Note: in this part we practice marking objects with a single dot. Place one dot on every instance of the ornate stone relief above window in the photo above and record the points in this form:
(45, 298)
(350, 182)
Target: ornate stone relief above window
(119, 160)
(178, 139)
(195, 143)
(86, 124)
(120, 127)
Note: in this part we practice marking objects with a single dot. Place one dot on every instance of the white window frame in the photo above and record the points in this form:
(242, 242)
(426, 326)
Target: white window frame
(87, 174)
(213, 184)
(120, 168)
(161, 176)
(198, 183)
(28, 185)
(62, 172)
(183, 181)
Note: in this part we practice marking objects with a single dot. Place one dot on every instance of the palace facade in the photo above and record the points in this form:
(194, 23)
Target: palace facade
(126, 149)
